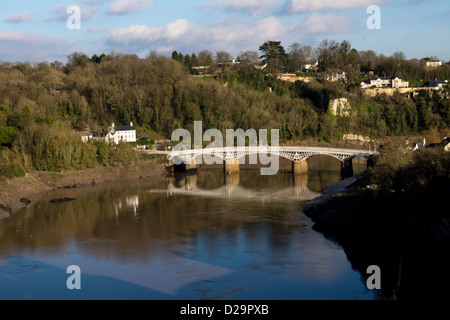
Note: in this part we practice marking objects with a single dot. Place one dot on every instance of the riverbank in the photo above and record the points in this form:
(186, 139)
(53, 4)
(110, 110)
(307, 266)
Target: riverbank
(15, 193)
(407, 236)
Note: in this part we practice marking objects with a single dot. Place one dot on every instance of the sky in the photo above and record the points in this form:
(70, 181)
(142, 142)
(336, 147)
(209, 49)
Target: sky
(36, 31)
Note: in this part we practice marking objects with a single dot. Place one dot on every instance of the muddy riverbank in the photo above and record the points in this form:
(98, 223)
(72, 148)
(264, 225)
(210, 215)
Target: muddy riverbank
(18, 192)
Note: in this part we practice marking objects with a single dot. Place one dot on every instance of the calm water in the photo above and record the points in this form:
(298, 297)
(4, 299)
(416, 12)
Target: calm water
(194, 237)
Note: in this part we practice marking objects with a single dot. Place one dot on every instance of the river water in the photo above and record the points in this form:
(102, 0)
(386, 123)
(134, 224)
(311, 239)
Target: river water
(207, 236)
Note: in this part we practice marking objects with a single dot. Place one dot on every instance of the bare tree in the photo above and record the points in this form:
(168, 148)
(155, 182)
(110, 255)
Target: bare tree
(249, 57)
(205, 58)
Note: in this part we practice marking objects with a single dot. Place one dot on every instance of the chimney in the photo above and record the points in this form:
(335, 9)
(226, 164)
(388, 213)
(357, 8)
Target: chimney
(113, 125)
(131, 124)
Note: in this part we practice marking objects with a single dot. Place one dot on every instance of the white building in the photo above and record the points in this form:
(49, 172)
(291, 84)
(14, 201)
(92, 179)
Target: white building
(385, 83)
(310, 66)
(121, 134)
(434, 64)
(86, 136)
(335, 76)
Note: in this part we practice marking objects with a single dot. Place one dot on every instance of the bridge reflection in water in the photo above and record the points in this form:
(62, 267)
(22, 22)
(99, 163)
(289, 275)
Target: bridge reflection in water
(186, 185)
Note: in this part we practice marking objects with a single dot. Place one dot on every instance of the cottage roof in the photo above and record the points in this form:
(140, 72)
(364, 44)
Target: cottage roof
(124, 128)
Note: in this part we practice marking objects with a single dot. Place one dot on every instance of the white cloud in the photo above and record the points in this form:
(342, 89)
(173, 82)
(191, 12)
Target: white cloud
(230, 35)
(299, 6)
(59, 13)
(325, 24)
(253, 7)
(128, 6)
(17, 18)
(19, 46)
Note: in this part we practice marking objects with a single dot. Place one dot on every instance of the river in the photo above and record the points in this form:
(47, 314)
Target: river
(206, 236)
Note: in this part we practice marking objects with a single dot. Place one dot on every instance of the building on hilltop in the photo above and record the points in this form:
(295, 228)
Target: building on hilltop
(394, 82)
(437, 84)
(121, 134)
(334, 76)
(113, 135)
(434, 64)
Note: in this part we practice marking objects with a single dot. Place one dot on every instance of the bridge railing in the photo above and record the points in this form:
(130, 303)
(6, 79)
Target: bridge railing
(268, 150)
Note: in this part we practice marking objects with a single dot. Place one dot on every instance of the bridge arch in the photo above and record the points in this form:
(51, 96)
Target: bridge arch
(298, 155)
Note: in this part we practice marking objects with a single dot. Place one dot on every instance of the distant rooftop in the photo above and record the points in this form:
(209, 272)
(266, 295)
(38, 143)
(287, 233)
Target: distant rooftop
(124, 128)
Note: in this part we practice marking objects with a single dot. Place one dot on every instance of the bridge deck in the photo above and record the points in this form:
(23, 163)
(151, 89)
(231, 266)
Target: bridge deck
(291, 153)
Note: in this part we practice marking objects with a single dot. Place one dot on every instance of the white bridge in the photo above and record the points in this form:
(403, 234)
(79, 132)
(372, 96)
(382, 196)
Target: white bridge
(233, 192)
(294, 154)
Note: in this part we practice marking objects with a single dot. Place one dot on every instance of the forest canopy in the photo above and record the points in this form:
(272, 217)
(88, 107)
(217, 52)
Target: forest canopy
(44, 105)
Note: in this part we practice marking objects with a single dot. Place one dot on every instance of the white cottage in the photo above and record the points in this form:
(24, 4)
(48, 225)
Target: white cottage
(121, 133)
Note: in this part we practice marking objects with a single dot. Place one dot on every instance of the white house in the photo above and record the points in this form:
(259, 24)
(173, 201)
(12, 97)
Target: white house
(395, 82)
(335, 76)
(121, 133)
(399, 83)
(434, 64)
(86, 136)
(310, 66)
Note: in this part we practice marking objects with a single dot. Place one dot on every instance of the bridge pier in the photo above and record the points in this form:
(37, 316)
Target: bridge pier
(188, 168)
(299, 167)
(300, 180)
(231, 166)
(232, 179)
(347, 169)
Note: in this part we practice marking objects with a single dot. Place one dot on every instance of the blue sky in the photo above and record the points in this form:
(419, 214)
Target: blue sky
(36, 31)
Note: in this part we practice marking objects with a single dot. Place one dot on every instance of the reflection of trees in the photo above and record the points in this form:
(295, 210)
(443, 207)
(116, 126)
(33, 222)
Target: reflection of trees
(136, 218)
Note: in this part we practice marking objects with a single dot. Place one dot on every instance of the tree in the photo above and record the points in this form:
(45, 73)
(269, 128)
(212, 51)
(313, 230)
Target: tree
(7, 135)
(399, 55)
(222, 58)
(248, 57)
(205, 58)
(326, 54)
(344, 52)
(177, 56)
(77, 59)
(296, 57)
(274, 55)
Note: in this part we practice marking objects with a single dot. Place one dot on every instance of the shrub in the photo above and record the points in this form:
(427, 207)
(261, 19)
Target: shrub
(12, 171)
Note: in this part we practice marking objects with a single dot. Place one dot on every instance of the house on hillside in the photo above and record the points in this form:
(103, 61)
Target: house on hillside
(334, 76)
(118, 134)
(440, 84)
(434, 64)
(115, 134)
(394, 82)
(445, 145)
(310, 67)
(86, 136)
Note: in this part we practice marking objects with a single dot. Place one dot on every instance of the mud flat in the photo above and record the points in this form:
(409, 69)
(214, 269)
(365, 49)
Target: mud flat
(16, 193)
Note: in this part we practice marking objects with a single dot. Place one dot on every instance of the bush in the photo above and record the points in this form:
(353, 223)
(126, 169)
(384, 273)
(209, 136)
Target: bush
(7, 135)
(425, 171)
(12, 171)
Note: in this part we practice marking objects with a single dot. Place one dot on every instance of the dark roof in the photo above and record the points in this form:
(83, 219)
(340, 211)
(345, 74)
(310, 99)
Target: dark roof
(124, 128)
(438, 81)
(99, 134)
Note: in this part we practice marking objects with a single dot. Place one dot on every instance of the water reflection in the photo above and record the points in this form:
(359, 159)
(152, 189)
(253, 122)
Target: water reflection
(183, 184)
(207, 236)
